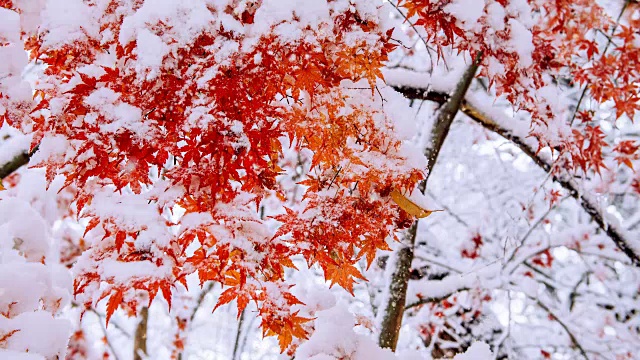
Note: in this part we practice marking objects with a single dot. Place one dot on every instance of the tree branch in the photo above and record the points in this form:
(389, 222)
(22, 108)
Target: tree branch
(201, 297)
(394, 304)
(429, 300)
(106, 337)
(16, 163)
(140, 339)
(236, 346)
(573, 338)
(566, 181)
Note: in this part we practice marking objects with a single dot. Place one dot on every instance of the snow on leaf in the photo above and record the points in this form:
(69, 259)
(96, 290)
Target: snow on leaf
(409, 206)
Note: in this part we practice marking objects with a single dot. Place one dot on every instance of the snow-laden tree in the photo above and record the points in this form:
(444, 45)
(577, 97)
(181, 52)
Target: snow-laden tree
(184, 155)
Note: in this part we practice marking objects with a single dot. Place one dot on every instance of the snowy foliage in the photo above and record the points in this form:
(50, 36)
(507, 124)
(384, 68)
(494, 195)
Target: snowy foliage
(248, 155)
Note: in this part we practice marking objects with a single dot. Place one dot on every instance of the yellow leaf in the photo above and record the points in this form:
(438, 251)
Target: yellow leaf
(2, 187)
(408, 205)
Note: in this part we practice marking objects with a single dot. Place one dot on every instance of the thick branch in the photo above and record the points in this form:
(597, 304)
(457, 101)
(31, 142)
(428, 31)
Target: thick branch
(16, 163)
(394, 306)
(446, 115)
(588, 204)
(140, 340)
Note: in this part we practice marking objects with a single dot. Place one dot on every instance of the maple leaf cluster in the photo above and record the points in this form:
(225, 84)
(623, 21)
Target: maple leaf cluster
(173, 134)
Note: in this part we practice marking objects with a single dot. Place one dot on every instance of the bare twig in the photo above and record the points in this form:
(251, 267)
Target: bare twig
(428, 300)
(201, 297)
(573, 338)
(424, 41)
(106, 337)
(533, 227)
(236, 347)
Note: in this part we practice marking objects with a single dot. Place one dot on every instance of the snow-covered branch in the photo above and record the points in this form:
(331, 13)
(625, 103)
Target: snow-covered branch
(529, 146)
(396, 299)
(15, 154)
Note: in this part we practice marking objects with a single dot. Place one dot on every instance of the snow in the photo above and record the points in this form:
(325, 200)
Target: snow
(16, 144)
(123, 272)
(16, 355)
(275, 12)
(188, 18)
(486, 277)
(484, 181)
(151, 50)
(421, 200)
(32, 284)
(29, 237)
(25, 284)
(9, 26)
(522, 42)
(101, 97)
(408, 78)
(121, 114)
(183, 21)
(495, 16)
(11, 83)
(522, 11)
(440, 79)
(334, 338)
(477, 351)
(468, 12)
(127, 117)
(132, 212)
(51, 147)
(52, 334)
(68, 21)
(14, 60)
(315, 298)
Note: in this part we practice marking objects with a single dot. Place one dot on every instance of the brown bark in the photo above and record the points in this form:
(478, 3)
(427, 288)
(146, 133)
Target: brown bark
(397, 292)
(140, 340)
(14, 164)
(393, 310)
